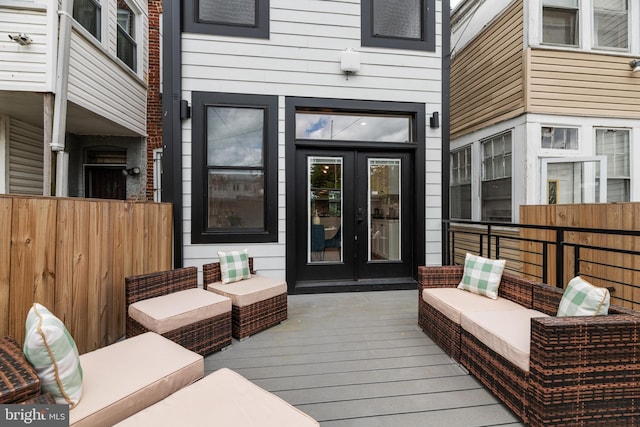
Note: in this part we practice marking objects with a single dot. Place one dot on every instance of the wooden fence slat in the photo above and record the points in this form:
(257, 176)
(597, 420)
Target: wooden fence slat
(5, 263)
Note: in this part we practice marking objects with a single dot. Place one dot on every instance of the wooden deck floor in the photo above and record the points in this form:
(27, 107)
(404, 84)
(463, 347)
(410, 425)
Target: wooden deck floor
(359, 359)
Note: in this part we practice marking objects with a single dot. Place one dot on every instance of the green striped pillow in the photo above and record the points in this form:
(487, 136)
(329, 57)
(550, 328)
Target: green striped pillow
(51, 350)
(482, 275)
(234, 265)
(581, 298)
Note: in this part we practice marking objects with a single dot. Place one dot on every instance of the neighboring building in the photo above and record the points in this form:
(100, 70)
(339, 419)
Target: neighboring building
(544, 105)
(307, 132)
(83, 133)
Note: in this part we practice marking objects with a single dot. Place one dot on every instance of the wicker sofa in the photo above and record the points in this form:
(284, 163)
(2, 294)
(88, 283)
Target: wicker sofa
(581, 370)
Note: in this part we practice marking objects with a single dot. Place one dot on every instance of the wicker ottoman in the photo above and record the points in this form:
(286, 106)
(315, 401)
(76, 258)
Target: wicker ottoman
(18, 379)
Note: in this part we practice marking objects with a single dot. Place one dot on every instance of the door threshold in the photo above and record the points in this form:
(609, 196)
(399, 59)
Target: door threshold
(363, 285)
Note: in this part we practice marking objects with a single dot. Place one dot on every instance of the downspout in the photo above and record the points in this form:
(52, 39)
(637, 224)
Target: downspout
(60, 104)
(446, 125)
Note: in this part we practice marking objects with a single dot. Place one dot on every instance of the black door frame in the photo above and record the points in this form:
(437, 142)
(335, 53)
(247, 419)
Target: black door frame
(417, 110)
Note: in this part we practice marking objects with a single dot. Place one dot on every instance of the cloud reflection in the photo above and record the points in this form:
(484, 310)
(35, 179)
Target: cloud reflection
(352, 128)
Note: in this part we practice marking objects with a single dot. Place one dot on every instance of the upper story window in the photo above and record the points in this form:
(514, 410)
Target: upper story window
(611, 24)
(560, 22)
(87, 14)
(126, 46)
(558, 138)
(400, 24)
(239, 18)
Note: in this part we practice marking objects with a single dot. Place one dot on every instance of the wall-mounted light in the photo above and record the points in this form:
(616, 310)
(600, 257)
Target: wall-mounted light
(131, 171)
(185, 110)
(22, 39)
(349, 61)
(434, 120)
(635, 65)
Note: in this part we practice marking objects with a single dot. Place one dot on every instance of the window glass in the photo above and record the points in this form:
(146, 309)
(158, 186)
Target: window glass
(239, 12)
(349, 127)
(461, 184)
(398, 24)
(611, 21)
(496, 178)
(397, 18)
(87, 14)
(558, 138)
(126, 44)
(614, 144)
(560, 22)
(235, 168)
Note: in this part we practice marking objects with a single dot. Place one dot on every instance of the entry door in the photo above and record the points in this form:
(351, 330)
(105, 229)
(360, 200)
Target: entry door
(354, 216)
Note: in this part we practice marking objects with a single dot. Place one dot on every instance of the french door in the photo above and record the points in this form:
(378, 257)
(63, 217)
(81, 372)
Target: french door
(354, 215)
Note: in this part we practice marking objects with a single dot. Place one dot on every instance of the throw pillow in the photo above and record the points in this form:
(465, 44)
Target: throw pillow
(482, 275)
(234, 265)
(581, 298)
(52, 351)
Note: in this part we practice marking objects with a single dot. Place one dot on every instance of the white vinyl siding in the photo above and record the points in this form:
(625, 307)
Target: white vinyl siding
(99, 84)
(302, 58)
(24, 68)
(25, 158)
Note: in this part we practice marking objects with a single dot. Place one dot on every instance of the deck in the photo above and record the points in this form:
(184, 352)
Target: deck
(359, 359)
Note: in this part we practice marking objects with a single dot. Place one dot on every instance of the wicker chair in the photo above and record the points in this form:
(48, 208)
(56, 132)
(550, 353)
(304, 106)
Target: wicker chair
(18, 379)
(204, 336)
(252, 318)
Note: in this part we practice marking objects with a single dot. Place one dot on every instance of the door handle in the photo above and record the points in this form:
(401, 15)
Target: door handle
(359, 218)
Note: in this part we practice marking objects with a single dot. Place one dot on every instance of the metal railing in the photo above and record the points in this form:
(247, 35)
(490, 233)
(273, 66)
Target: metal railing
(552, 254)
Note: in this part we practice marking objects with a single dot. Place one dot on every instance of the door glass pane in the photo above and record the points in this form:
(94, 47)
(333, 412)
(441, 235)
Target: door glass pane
(384, 210)
(352, 127)
(573, 182)
(325, 210)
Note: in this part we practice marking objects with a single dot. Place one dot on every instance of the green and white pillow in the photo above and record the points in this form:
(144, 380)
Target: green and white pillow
(581, 298)
(482, 275)
(234, 265)
(52, 351)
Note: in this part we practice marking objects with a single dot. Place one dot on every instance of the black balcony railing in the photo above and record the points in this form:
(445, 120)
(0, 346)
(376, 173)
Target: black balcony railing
(552, 254)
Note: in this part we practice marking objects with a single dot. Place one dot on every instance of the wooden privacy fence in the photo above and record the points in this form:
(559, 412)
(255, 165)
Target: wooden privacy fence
(72, 255)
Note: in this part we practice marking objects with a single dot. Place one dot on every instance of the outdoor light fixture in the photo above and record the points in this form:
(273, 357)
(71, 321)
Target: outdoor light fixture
(350, 61)
(434, 120)
(635, 65)
(22, 39)
(131, 171)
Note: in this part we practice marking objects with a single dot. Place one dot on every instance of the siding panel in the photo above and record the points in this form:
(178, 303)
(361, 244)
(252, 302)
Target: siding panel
(487, 77)
(25, 158)
(582, 84)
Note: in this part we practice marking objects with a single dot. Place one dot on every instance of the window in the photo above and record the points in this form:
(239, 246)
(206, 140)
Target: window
(316, 125)
(461, 184)
(239, 18)
(560, 22)
(235, 168)
(126, 47)
(400, 24)
(496, 178)
(611, 24)
(87, 13)
(559, 138)
(614, 144)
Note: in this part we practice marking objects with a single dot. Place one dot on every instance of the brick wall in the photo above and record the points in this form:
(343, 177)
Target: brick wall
(154, 99)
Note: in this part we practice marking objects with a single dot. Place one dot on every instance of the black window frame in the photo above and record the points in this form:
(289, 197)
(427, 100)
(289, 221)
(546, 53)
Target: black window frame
(200, 233)
(427, 43)
(191, 23)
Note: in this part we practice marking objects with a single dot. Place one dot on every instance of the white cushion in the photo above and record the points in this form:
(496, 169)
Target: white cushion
(125, 377)
(581, 298)
(169, 312)
(52, 352)
(482, 275)
(452, 302)
(250, 291)
(508, 333)
(222, 399)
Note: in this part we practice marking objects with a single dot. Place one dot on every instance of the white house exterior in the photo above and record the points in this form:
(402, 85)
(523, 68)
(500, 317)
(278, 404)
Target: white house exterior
(76, 133)
(552, 84)
(274, 85)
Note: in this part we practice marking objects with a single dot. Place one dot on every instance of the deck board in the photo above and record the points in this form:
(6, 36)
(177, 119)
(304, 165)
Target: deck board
(359, 359)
